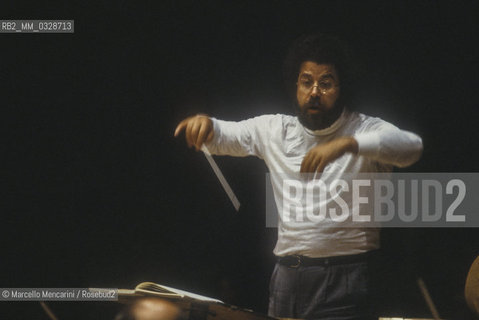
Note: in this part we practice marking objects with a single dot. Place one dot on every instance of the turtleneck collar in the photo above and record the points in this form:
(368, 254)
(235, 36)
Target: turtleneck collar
(332, 128)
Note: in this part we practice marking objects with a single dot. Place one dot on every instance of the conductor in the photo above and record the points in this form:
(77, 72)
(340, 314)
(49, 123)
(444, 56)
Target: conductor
(323, 267)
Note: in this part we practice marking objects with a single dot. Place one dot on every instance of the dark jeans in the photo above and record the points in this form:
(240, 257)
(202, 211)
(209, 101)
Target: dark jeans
(334, 291)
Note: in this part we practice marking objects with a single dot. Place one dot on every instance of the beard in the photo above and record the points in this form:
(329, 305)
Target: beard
(315, 116)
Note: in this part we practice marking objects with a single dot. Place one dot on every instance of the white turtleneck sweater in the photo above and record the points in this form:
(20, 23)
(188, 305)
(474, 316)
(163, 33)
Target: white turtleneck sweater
(282, 142)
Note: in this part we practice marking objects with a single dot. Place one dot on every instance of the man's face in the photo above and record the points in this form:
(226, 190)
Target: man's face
(317, 92)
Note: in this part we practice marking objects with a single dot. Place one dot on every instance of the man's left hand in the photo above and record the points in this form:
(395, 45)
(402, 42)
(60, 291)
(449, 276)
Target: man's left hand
(318, 157)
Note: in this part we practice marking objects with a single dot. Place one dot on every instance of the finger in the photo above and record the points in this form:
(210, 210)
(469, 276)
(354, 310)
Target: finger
(210, 135)
(307, 162)
(202, 135)
(313, 166)
(180, 127)
(195, 128)
(304, 163)
(310, 163)
(321, 166)
(189, 139)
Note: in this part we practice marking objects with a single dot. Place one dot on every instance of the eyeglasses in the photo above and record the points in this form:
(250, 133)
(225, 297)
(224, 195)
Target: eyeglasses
(325, 85)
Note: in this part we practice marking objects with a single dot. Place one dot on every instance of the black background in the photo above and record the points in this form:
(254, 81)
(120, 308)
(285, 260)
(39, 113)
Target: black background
(98, 193)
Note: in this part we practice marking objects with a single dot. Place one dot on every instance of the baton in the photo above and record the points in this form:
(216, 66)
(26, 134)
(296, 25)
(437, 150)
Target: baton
(221, 178)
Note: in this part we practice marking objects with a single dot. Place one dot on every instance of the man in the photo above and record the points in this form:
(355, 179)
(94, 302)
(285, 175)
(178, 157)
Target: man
(323, 266)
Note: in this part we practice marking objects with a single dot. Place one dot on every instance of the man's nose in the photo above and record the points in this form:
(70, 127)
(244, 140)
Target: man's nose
(315, 91)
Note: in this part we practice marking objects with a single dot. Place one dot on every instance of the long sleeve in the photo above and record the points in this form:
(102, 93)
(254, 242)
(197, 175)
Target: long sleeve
(385, 143)
(240, 139)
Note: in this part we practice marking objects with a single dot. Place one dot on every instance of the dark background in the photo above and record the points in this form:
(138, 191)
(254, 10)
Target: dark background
(98, 193)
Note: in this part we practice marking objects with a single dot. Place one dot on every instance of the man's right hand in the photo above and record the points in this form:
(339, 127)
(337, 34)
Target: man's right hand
(198, 130)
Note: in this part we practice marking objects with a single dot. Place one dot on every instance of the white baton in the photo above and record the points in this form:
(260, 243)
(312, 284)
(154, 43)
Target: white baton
(221, 177)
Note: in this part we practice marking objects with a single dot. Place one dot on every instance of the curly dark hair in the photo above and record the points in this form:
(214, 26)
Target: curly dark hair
(322, 49)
